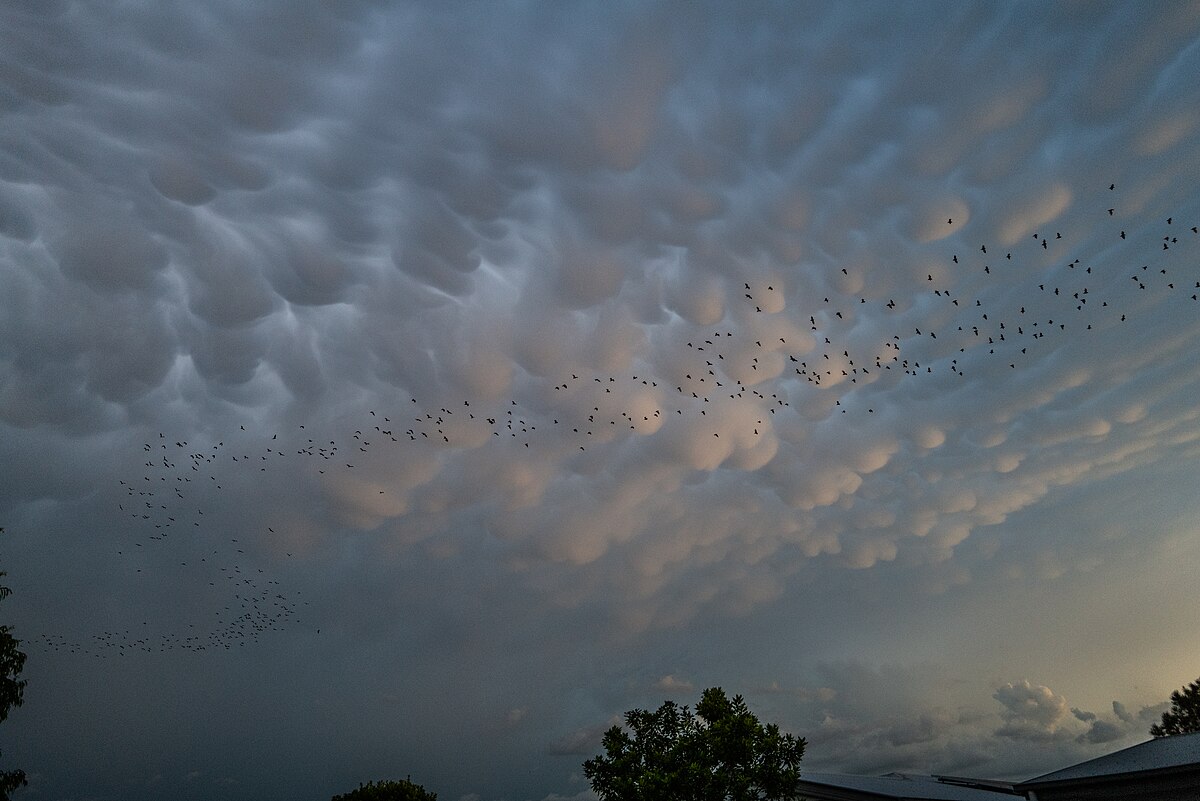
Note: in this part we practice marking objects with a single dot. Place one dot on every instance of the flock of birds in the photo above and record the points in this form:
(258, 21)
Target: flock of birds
(940, 329)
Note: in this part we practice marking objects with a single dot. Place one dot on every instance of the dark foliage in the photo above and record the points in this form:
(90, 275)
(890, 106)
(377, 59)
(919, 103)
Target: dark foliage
(387, 791)
(719, 753)
(1184, 715)
(12, 692)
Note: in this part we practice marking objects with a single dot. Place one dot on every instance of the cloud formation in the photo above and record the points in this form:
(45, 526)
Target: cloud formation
(1031, 711)
(613, 331)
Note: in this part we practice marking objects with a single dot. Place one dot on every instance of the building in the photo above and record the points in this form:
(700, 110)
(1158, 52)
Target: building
(901, 787)
(1162, 769)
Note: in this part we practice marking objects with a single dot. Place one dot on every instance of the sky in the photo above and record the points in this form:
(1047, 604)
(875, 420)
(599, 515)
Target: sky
(411, 389)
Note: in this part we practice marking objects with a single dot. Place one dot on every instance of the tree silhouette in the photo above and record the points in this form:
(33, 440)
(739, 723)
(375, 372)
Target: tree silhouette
(387, 791)
(720, 753)
(12, 692)
(1184, 715)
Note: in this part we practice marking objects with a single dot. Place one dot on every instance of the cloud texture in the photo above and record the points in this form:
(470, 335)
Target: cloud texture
(534, 354)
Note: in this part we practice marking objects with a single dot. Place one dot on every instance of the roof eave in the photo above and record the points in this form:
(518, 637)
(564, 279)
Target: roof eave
(1109, 778)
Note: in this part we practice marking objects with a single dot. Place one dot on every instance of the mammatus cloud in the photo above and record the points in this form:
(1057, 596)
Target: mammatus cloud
(592, 330)
(289, 265)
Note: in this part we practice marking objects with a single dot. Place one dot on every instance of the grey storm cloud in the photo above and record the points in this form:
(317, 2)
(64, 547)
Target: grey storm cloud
(922, 718)
(532, 335)
(916, 718)
(1031, 711)
(1102, 731)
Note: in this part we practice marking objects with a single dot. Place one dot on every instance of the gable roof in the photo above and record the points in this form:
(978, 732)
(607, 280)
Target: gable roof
(899, 786)
(1161, 753)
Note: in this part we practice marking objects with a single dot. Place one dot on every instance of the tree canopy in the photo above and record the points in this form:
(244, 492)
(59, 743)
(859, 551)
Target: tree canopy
(719, 753)
(1184, 715)
(387, 791)
(12, 692)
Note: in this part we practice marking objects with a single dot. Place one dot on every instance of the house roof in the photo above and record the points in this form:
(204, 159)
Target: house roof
(901, 786)
(1161, 753)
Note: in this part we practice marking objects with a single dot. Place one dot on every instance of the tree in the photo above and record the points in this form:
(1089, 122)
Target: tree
(1184, 715)
(387, 791)
(720, 753)
(12, 692)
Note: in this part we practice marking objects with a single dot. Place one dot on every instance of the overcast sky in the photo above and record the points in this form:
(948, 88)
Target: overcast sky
(402, 389)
